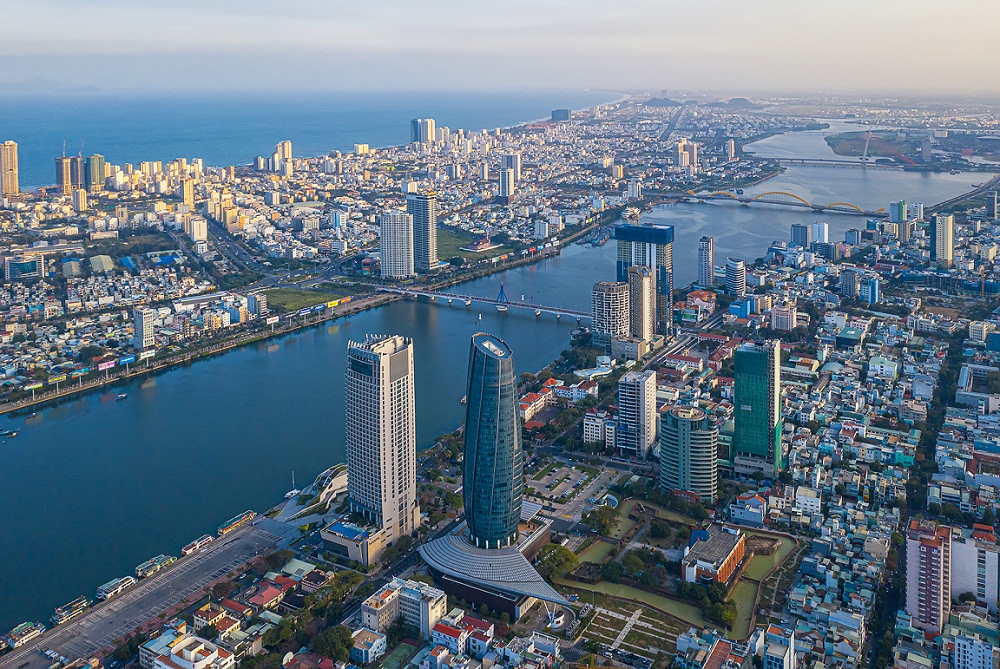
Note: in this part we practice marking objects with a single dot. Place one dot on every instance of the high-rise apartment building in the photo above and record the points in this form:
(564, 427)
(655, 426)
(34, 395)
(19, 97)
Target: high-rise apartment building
(94, 173)
(185, 191)
(641, 303)
(142, 322)
(821, 232)
(396, 241)
(706, 262)
(928, 574)
(506, 183)
(9, 184)
(993, 205)
(493, 466)
(975, 564)
(512, 161)
(898, 211)
(283, 150)
(801, 235)
(423, 130)
(942, 239)
(757, 400)
(689, 444)
(423, 208)
(381, 439)
(79, 200)
(652, 247)
(736, 277)
(610, 310)
(973, 652)
(64, 175)
(636, 431)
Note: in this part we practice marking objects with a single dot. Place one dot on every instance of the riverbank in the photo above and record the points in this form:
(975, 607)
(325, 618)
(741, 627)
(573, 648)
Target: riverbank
(261, 333)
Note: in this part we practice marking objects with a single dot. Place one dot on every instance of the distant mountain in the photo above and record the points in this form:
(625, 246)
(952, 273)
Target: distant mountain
(735, 104)
(663, 102)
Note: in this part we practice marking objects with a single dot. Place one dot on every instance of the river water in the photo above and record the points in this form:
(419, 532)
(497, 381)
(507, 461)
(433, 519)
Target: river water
(93, 487)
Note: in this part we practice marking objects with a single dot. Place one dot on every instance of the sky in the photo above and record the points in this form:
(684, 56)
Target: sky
(741, 46)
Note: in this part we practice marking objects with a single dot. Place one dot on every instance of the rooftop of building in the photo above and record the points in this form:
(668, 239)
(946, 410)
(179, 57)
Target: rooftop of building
(505, 569)
(716, 547)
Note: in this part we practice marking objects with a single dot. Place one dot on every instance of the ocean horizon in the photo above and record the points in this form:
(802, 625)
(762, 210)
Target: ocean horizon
(233, 128)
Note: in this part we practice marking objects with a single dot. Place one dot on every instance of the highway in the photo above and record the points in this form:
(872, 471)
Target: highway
(102, 625)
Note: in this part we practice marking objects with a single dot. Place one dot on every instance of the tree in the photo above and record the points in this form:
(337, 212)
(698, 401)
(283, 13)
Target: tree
(603, 519)
(612, 572)
(556, 560)
(222, 589)
(208, 632)
(989, 517)
(334, 643)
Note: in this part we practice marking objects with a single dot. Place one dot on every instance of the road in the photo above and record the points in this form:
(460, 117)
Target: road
(107, 622)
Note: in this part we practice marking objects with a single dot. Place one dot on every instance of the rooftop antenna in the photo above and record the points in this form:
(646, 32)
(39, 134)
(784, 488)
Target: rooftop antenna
(64, 148)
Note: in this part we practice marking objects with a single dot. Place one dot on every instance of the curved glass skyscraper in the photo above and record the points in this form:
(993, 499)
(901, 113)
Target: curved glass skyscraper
(494, 465)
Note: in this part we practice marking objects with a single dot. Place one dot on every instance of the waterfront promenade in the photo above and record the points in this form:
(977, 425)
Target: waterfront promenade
(105, 624)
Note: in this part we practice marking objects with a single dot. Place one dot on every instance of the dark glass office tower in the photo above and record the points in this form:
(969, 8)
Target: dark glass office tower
(494, 464)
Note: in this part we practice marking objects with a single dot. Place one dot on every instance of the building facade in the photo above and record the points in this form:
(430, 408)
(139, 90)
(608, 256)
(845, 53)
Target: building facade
(757, 435)
(143, 336)
(652, 247)
(423, 208)
(689, 445)
(736, 277)
(493, 462)
(396, 239)
(928, 574)
(942, 239)
(381, 437)
(636, 430)
(9, 183)
(609, 307)
(706, 261)
(641, 303)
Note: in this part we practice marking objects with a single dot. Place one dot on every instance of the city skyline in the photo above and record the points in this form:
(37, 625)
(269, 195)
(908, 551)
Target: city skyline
(736, 47)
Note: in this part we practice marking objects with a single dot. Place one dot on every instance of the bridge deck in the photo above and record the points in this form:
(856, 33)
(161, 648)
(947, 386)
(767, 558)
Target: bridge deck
(558, 311)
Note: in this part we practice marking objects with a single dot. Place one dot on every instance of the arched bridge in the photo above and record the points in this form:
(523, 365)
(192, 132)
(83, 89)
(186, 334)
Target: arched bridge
(784, 198)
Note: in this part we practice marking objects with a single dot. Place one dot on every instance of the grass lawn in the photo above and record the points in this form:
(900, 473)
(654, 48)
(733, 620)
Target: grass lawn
(596, 552)
(450, 240)
(293, 299)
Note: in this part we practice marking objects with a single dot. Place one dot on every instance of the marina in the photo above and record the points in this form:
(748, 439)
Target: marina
(71, 610)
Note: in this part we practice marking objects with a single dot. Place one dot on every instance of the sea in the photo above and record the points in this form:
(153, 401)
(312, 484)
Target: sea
(231, 129)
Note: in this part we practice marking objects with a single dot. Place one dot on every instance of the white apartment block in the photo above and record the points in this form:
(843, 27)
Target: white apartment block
(417, 603)
(396, 240)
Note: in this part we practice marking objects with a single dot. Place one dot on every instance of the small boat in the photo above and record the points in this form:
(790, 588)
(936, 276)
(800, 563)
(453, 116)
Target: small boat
(4, 432)
(501, 307)
(463, 400)
(294, 491)
(121, 396)
(12, 434)
(32, 414)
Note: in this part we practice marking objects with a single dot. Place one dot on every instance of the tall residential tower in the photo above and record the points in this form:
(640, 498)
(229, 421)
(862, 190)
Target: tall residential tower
(652, 247)
(423, 208)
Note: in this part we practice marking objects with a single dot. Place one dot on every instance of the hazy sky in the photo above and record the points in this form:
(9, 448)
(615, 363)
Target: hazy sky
(887, 46)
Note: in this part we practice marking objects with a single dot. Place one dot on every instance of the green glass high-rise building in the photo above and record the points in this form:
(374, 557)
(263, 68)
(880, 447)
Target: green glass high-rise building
(757, 436)
(494, 464)
(94, 173)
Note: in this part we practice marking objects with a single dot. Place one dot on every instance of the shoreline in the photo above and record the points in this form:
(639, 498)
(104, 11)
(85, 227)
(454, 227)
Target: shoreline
(35, 188)
(374, 301)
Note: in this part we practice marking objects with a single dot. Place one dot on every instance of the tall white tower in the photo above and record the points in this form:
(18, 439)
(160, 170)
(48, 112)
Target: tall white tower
(381, 434)
(396, 239)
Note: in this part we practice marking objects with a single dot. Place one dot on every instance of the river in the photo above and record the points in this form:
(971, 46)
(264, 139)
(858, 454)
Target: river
(93, 487)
